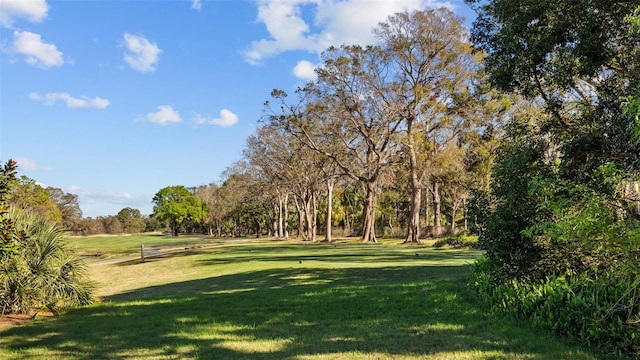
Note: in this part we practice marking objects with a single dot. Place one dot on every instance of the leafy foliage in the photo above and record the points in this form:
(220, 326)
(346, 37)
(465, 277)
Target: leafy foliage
(45, 272)
(68, 205)
(520, 158)
(131, 220)
(10, 236)
(176, 205)
(561, 242)
(602, 312)
(29, 195)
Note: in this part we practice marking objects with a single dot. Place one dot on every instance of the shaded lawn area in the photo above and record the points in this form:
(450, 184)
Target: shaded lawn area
(286, 301)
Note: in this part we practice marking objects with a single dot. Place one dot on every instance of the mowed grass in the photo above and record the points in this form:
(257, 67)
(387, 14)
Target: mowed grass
(115, 246)
(259, 299)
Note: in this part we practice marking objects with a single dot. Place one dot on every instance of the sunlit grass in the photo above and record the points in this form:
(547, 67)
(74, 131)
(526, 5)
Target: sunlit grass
(285, 300)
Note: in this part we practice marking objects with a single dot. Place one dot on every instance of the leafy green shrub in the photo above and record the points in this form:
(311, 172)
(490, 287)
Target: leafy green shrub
(481, 205)
(45, 273)
(10, 236)
(602, 312)
(514, 255)
(458, 242)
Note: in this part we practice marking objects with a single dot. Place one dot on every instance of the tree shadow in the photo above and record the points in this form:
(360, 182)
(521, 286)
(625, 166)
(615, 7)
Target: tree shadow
(394, 311)
(331, 253)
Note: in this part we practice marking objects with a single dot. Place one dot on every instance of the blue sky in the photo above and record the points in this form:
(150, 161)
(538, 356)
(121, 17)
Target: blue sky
(114, 100)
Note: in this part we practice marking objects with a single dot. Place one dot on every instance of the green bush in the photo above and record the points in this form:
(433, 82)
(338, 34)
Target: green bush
(458, 242)
(45, 273)
(603, 312)
(513, 254)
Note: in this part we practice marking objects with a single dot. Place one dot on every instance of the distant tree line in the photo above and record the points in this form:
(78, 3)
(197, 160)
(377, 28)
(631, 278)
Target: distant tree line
(63, 208)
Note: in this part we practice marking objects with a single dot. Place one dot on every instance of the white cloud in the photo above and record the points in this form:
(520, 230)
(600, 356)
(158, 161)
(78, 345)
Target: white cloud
(226, 119)
(111, 196)
(71, 102)
(141, 54)
(29, 165)
(32, 10)
(305, 70)
(100, 202)
(164, 115)
(36, 51)
(196, 5)
(292, 25)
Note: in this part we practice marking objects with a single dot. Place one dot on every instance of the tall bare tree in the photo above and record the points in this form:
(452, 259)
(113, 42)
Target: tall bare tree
(68, 205)
(433, 67)
(342, 117)
(271, 152)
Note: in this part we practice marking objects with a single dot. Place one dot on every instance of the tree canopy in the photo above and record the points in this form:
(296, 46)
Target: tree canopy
(175, 205)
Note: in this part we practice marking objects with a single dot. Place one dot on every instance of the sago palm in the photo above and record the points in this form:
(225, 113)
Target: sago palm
(46, 273)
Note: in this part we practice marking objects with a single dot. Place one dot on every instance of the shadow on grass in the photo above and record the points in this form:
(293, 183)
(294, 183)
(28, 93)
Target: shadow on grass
(325, 253)
(341, 254)
(395, 311)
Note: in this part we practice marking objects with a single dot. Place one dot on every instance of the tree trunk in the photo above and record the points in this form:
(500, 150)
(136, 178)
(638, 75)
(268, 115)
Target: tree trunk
(274, 224)
(310, 211)
(285, 217)
(413, 231)
(426, 206)
(258, 229)
(368, 215)
(173, 226)
(314, 216)
(437, 226)
(631, 194)
(327, 231)
(280, 216)
(454, 210)
(464, 214)
(301, 219)
(347, 220)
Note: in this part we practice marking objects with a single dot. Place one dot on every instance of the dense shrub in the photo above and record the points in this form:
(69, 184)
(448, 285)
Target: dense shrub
(44, 273)
(562, 254)
(513, 208)
(458, 242)
(602, 312)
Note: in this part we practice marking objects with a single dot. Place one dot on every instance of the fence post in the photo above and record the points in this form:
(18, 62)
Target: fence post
(142, 252)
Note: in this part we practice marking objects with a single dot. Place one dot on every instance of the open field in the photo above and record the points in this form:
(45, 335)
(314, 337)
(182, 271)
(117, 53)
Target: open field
(246, 299)
(117, 246)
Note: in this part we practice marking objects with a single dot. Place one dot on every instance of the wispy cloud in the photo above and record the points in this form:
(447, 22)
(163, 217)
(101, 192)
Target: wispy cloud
(88, 198)
(164, 115)
(35, 50)
(226, 119)
(305, 70)
(30, 165)
(196, 5)
(141, 55)
(112, 196)
(32, 10)
(70, 101)
(314, 25)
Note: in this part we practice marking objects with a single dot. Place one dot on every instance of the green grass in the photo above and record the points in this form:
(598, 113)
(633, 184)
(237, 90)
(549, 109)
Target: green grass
(284, 300)
(116, 246)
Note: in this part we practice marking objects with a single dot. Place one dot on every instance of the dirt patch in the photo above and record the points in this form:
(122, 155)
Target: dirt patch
(7, 321)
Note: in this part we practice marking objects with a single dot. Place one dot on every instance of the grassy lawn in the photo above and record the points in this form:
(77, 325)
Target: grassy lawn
(117, 246)
(259, 299)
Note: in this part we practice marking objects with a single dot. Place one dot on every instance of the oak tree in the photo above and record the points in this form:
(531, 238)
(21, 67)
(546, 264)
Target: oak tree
(175, 205)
